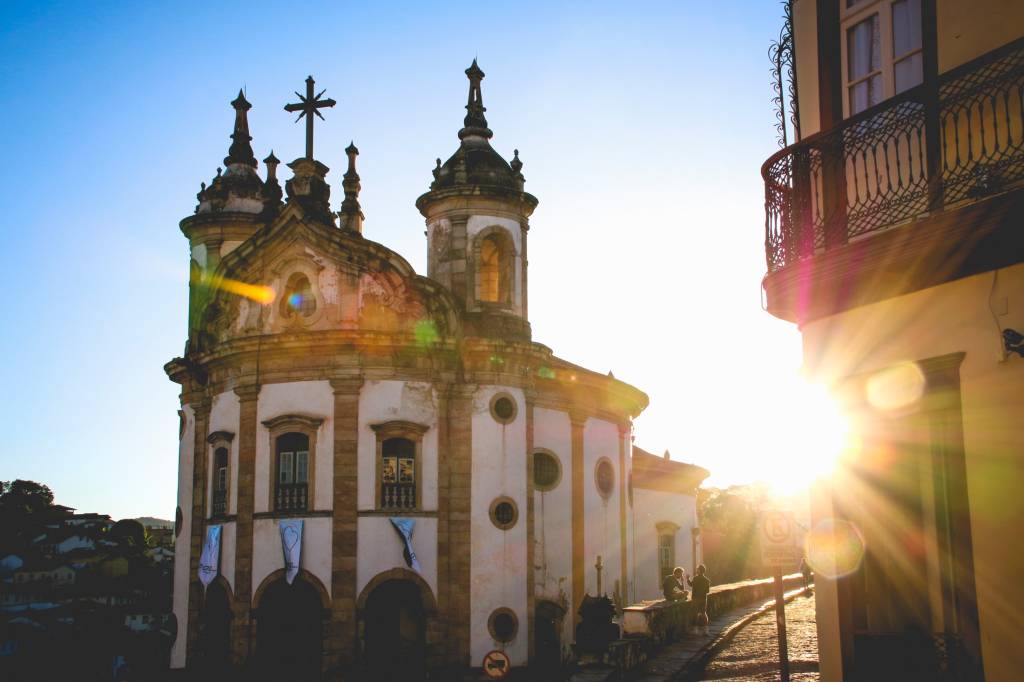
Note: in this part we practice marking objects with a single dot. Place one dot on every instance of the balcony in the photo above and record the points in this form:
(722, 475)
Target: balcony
(936, 149)
(291, 497)
(220, 502)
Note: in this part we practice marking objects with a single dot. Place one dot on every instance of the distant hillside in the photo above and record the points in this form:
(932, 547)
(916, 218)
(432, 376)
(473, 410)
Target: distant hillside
(149, 521)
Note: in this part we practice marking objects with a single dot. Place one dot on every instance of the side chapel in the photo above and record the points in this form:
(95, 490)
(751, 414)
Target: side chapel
(324, 381)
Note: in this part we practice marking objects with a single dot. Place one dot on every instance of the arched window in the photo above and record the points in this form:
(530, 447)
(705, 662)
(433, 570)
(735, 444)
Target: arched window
(292, 472)
(490, 269)
(298, 297)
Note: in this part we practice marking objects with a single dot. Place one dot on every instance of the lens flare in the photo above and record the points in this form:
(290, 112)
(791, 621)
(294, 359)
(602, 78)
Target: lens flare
(425, 333)
(253, 292)
(896, 387)
(835, 548)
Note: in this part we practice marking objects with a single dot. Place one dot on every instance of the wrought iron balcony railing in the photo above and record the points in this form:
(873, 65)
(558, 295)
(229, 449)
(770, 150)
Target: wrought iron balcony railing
(928, 149)
(291, 497)
(220, 502)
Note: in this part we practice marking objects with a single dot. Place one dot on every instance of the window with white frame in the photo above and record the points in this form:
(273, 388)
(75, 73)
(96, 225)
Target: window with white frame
(292, 472)
(882, 50)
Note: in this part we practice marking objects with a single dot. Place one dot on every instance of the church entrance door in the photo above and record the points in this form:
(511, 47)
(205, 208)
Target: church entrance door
(394, 635)
(289, 632)
(547, 629)
(215, 631)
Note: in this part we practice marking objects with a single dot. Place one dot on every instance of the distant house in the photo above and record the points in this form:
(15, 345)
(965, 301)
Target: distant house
(145, 621)
(45, 572)
(73, 542)
(160, 554)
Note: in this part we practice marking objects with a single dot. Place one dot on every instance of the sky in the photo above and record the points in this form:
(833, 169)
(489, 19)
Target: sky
(642, 127)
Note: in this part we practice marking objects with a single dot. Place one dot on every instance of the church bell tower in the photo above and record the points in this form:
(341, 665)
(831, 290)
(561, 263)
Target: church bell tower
(477, 217)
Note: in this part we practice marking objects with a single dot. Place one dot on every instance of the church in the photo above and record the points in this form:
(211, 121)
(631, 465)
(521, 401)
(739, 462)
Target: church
(381, 474)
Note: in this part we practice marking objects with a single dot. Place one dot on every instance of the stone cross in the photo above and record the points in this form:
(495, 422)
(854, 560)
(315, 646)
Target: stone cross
(599, 566)
(309, 106)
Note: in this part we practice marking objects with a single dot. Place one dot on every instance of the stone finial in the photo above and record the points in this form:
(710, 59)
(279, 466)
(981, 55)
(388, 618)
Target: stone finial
(516, 164)
(350, 217)
(272, 193)
(667, 455)
(240, 150)
(308, 188)
(475, 122)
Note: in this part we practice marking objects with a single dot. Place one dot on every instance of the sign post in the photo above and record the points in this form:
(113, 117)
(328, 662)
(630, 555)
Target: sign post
(779, 549)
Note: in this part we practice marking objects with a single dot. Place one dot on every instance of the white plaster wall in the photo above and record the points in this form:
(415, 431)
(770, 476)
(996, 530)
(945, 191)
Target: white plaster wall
(199, 255)
(225, 413)
(631, 544)
(384, 401)
(268, 557)
(477, 224)
(310, 398)
(654, 507)
(601, 527)
(182, 543)
(498, 569)
(380, 549)
(552, 534)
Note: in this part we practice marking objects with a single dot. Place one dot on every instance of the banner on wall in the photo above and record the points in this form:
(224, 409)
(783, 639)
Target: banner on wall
(209, 559)
(291, 545)
(405, 528)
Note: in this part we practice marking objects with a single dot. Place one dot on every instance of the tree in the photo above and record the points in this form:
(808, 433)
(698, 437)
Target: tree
(24, 497)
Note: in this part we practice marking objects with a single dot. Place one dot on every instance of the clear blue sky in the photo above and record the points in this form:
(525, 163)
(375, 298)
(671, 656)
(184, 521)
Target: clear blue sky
(642, 127)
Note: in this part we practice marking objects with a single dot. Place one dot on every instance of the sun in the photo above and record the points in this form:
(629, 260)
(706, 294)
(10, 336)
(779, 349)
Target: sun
(808, 437)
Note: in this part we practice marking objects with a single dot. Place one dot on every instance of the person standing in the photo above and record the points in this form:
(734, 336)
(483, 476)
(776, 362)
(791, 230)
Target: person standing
(701, 585)
(805, 569)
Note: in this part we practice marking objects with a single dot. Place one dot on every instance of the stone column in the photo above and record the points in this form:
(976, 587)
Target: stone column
(455, 482)
(341, 644)
(201, 409)
(624, 429)
(531, 574)
(248, 397)
(577, 420)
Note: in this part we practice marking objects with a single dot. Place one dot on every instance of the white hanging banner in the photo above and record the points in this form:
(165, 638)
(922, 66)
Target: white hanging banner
(405, 528)
(291, 545)
(209, 560)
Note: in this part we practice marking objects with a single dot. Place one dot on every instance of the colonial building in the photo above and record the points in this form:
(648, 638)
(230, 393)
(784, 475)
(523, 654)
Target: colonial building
(894, 240)
(325, 381)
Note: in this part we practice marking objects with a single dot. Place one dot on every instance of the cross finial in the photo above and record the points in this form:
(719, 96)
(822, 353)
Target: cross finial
(309, 105)
(475, 106)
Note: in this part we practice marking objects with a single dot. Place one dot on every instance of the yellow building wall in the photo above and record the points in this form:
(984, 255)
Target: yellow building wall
(967, 29)
(962, 316)
(805, 32)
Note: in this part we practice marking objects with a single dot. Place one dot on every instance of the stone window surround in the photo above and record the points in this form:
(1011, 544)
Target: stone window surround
(605, 494)
(498, 396)
(399, 428)
(281, 275)
(503, 610)
(558, 463)
(506, 267)
(493, 512)
(215, 441)
(309, 426)
(663, 529)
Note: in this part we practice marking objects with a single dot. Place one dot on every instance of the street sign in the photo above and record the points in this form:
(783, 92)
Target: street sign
(496, 664)
(779, 546)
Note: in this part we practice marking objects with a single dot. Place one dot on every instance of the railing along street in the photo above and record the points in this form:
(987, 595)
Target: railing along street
(930, 148)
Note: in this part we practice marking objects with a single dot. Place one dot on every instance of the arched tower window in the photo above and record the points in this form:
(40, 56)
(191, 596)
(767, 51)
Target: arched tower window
(298, 297)
(494, 259)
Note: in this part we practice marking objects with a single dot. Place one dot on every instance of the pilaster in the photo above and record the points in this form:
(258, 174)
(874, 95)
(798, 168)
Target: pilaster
(248, 399)
(531, 577)
(201, 410)
(340, 640)
(577, 419)
(624, 431)
(454, 511)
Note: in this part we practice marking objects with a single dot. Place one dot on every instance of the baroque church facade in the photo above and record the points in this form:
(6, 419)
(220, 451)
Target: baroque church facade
(325, 382)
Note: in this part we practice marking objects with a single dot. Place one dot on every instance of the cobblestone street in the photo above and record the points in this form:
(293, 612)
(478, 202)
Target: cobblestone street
(754, 653)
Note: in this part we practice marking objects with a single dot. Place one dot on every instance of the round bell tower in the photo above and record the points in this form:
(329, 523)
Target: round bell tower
(477, 218)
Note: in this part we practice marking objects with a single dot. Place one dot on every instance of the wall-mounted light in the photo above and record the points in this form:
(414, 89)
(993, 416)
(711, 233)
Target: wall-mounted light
(1013, 341)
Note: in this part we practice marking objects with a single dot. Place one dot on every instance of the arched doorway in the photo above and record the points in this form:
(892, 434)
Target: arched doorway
(215, 630)
(547, 637)
(394, 632)
(289, 631)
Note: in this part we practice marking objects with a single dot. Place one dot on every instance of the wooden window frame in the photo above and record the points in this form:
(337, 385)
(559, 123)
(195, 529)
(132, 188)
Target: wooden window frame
(850, 17)
(410, 431)
(669, 530)
(307, 425)
(215, 441)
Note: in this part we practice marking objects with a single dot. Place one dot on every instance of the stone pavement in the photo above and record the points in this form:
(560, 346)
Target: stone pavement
(684, 659)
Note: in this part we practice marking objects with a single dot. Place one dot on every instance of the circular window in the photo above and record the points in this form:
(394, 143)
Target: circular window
(503, 625)
(604, 477)
(547, 472)
(503, 408)
(504, 512)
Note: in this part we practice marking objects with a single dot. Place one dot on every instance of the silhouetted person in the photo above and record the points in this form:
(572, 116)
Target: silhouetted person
(805, 569)
(673, 586)
(701, 585)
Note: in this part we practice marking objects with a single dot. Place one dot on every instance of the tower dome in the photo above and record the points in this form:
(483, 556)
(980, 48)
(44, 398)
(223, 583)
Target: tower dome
(477, 218)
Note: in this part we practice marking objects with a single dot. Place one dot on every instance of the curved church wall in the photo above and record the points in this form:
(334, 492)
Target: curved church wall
(182, 541)
(224, 416)
(497, 576)
(267, 556)
(602, 514)
(380, 549)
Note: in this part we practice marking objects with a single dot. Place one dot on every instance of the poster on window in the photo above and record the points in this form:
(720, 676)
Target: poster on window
(405, 528)
(389, 470)
(405, 470)
(291, 546)
(209, 559)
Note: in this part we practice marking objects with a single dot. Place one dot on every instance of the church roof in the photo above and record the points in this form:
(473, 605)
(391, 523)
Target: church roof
(661, 473)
